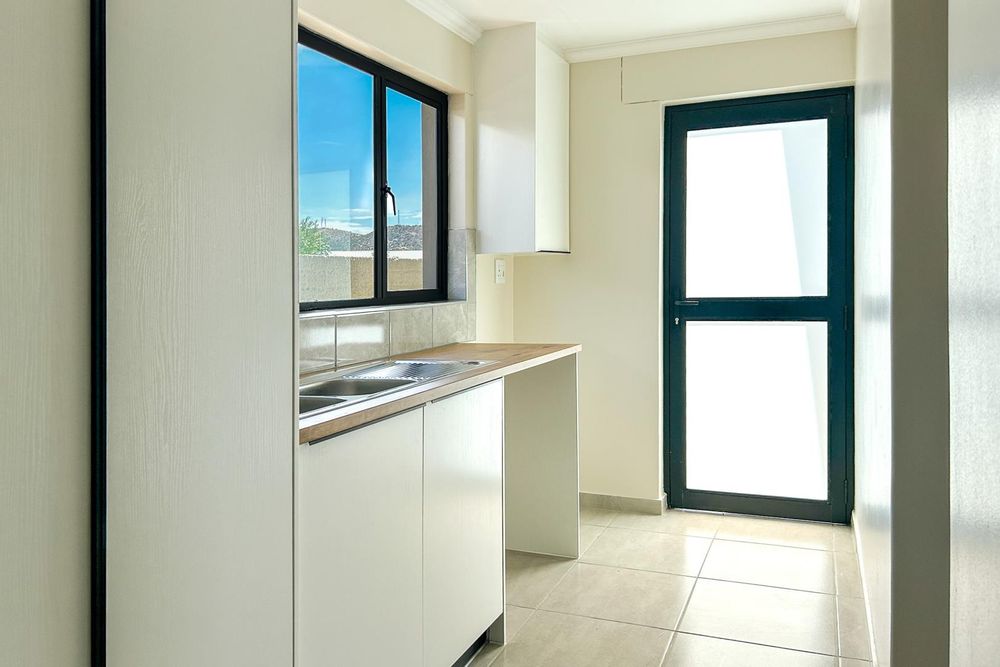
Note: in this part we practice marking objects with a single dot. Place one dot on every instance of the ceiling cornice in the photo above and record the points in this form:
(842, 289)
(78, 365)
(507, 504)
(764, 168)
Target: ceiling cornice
(691, 40)
(450, 18)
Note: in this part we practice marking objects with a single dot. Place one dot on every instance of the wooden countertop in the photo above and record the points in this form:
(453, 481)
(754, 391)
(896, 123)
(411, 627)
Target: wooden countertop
(507, 357)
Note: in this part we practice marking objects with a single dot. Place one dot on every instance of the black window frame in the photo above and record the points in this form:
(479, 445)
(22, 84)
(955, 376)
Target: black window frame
(385, 78)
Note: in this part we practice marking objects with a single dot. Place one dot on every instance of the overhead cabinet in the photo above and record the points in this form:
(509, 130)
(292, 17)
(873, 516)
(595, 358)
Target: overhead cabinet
(522, 107)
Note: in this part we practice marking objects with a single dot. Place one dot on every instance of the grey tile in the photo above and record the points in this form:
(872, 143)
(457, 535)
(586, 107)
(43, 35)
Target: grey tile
(780, 532)
(615, 594)
(461, 263)
(362, 337)
(596, 516)
(558, 640)
(696, 524)
(853, 623)
(769, 565)
(763, 615)
(410, 329)
(487, 655)
(317, 343)
(588, 534)
(644, 550)
(697, 651)
(531, 577)
(450, 325)
(646, 506)
(848, 575)
(515, 618)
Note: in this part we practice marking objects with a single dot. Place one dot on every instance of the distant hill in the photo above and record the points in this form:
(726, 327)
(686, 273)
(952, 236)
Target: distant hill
(401, 237)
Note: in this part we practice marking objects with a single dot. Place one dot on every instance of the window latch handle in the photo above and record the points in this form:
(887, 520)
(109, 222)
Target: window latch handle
(390, 200)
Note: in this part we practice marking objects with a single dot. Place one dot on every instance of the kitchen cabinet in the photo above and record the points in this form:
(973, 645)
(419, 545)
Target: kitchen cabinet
(463, 520)
(522, 109)
(359, 549)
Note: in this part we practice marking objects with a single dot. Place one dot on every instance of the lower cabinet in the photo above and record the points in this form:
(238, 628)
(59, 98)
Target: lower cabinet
(358, 546)
(399, 536)
(463, 520)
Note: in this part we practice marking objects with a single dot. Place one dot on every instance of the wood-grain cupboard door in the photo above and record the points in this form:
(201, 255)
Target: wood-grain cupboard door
(358, 546)
(463, 520)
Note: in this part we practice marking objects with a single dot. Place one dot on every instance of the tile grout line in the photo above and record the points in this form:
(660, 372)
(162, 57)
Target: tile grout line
(687, 602)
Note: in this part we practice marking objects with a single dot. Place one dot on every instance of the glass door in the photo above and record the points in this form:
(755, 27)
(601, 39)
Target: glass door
(758, 299)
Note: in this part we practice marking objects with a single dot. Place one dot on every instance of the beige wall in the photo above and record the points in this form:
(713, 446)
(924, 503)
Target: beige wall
(494, 303)
(44, 334)
(974, 255)
(607, 293)
(901, 381)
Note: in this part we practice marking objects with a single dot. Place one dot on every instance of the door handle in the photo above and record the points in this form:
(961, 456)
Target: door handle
(686, 302)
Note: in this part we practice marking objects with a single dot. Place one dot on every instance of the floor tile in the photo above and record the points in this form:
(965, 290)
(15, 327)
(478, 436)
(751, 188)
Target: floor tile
(588, 534)
(843, 539)
(486, 656)
(515, 618)
(559, 640)
(768, 565)
(853, 624)
(697, 651)
(774, 531)
(644, 550)
(596, 516)
(696, 524)
(531, 577)
(763, 615)
(851, 662)
(848, 575)
(614, 594)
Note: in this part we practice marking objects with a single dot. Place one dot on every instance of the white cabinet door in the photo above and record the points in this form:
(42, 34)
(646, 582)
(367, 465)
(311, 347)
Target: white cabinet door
(358, 546)
(463, 520)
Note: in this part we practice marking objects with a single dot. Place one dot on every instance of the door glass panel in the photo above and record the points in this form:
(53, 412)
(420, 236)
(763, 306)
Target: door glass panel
(757, 211)
(757, 408)
(411, 162)
(336, 180)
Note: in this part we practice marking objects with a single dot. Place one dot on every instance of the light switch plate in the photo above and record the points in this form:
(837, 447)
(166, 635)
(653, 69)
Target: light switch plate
(501, 271)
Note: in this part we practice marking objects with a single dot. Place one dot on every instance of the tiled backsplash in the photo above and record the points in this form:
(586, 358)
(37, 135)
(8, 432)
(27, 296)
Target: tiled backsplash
(335, 339)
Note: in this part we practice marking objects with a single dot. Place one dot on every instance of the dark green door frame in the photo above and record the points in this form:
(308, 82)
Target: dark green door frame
(837, 107)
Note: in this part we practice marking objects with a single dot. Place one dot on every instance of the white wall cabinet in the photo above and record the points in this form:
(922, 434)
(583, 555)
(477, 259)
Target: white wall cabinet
(463, 520)
(358, 546)
(522, 171)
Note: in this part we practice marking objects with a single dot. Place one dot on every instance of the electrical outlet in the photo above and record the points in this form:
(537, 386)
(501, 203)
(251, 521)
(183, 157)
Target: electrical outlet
(501, 271)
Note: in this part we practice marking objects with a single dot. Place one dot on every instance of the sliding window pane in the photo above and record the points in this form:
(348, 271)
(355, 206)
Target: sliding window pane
(412, 167)
(336, 180)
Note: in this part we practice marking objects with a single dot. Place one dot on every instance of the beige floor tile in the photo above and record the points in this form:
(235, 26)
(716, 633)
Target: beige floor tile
(588, 534)
(853, 624)
(768, 565)
(645, 550)
(697, 651)
(515, 617)
(848, 575)
(696, 524)
(549, 639)
(531, 577)
(762, 615)
(843, 539)
(614, 594)
(851, 662)
(777, 531)
(596, 516)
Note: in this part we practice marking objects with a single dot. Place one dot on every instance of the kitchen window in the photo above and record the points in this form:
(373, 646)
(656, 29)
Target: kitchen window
(372, 178)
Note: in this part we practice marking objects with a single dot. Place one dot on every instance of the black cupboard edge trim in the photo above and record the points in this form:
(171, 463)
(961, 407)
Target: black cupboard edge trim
(387, 78)
(98, 332)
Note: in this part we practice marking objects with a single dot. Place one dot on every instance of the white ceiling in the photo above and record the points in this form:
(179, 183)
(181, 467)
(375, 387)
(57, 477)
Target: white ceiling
(591, 29)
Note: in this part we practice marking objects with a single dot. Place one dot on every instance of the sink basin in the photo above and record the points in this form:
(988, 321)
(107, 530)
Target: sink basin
(352, 387)
(312, 403)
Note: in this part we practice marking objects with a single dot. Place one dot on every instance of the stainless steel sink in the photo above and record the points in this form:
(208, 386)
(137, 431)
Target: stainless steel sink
(344, 386)
(313, 403)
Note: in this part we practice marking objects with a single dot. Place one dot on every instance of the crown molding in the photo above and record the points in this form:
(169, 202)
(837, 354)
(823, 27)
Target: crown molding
(449, 17)
(852, 11)
(691, 40)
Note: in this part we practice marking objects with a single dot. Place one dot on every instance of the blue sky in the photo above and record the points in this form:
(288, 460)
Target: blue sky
(336, 140)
